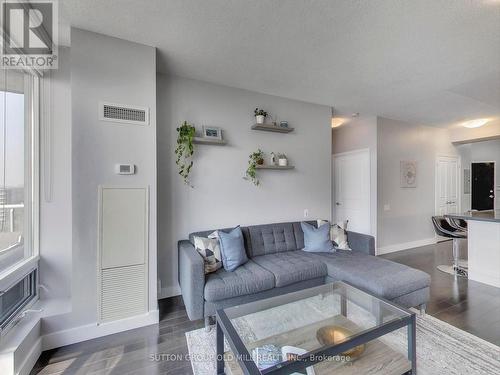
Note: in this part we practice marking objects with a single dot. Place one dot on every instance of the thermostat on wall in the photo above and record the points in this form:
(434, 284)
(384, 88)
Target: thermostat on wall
(124, 168)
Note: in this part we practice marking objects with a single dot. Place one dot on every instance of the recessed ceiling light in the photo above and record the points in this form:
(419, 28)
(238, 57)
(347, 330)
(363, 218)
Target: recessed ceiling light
(475, 123)
(337, 121)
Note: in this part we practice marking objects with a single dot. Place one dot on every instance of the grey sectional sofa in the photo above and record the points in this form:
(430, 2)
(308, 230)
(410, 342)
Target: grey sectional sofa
(277, 265)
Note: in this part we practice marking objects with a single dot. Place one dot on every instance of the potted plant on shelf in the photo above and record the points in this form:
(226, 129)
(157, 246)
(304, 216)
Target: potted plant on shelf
(255, 158)
(184, 150)
(260, 115)
(282, 160)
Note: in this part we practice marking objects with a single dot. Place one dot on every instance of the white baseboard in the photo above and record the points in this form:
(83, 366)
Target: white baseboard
(92, 331)
(405, 246)
(170, 291)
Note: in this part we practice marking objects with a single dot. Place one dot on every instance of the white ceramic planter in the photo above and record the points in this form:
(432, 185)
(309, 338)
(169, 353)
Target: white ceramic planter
(259, 119)
(283, 162)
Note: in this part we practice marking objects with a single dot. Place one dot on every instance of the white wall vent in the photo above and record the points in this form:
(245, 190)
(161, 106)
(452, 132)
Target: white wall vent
(124, 292)
(123, 113)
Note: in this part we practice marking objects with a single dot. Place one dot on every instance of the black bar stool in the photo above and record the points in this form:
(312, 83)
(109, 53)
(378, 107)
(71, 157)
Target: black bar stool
(443, 228)
(457, 223)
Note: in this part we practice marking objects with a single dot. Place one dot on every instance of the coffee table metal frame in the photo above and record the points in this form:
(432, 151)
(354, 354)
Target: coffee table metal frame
(224, 328)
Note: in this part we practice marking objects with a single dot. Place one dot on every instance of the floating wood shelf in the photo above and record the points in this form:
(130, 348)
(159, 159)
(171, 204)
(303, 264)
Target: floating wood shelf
(271, 128)
(208, 141)
(274, 167)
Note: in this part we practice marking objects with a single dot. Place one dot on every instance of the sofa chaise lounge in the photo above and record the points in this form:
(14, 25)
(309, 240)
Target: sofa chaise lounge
(277, 265)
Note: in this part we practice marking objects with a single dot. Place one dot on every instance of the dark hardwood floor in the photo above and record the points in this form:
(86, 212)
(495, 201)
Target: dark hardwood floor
(129, 352)
(471, 306)
(468, 305)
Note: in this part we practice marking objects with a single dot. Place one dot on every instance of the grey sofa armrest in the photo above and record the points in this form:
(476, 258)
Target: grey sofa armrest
(191, 279)
(361, 242)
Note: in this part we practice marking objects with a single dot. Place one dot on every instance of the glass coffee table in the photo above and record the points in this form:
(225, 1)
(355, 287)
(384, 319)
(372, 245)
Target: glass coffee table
(330, 329)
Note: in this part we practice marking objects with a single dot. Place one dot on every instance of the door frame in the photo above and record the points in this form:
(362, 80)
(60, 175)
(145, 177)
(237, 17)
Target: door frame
(494, 180)
(348, 153)
(460, 181)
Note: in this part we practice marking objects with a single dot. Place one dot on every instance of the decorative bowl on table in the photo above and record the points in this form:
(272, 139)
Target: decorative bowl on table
(331, 335)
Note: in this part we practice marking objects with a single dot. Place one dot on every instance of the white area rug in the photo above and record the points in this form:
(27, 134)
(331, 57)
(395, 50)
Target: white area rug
(441, 348)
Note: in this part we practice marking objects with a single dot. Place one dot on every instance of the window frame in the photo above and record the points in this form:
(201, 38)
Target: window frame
(13, 317)
(20, 270)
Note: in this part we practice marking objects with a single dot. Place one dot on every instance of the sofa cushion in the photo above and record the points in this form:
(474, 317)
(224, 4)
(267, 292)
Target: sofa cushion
(232, 248)
(379, 276)
(272, 238)
(275, 238)
(317, 240)
(247, 279)
(291, 266)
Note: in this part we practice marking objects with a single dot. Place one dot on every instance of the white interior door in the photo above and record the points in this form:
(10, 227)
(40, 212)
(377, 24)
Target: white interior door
(351, 201)
(447, 185)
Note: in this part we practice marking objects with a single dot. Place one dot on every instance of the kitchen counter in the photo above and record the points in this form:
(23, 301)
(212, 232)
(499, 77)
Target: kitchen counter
(493, 215)
(483, 240)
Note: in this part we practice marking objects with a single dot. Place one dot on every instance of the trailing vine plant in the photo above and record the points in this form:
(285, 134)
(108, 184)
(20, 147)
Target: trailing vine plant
(184, 150)
(254, 159)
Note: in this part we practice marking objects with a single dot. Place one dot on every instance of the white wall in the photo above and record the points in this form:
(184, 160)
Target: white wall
(101, 69)
(477, 152)
(409, 217)
(221, 198)
(360, 133)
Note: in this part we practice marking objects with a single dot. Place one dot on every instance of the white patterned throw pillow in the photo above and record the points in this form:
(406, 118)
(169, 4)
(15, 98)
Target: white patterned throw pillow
(338, 234)
(209, 249)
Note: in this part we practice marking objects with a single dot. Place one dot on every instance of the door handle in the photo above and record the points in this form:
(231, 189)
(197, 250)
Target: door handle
(338, 203)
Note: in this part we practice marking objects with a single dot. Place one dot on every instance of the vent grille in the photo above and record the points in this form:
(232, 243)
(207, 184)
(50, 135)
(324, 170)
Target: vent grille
(123, 292)
(124, 114)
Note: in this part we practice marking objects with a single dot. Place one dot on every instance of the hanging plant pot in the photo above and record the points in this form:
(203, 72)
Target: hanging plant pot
(254, 159)
(184, 150)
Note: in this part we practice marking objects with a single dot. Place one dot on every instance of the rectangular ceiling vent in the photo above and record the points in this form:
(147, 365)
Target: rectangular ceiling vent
(123, 113)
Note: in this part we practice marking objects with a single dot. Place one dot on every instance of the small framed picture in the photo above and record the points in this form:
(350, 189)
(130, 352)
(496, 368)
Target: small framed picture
(212, 132)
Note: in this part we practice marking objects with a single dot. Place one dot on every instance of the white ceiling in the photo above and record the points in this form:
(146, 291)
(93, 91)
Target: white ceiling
(433, 62)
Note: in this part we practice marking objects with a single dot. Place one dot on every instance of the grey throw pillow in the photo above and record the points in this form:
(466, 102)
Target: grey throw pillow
(232, 249)
(317, 240)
